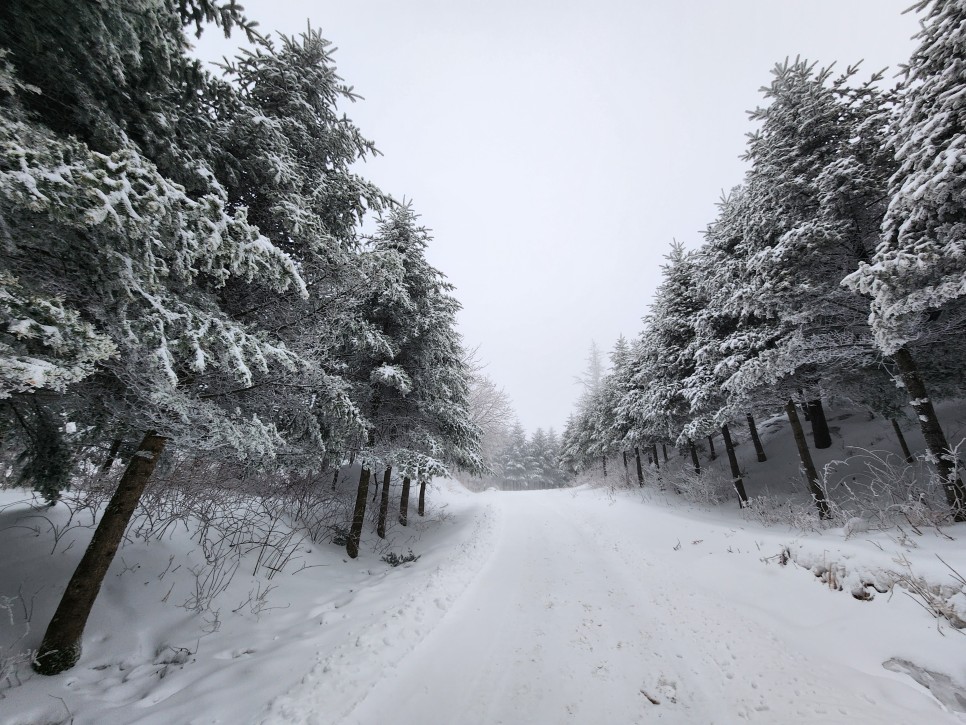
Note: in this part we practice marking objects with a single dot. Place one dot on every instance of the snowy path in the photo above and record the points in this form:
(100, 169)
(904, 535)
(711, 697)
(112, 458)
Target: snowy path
(577, 616)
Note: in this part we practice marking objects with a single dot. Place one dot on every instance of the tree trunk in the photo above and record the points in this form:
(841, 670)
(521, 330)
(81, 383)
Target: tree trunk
(404, 502)
(664, 451)
(603, 462)
(335, 477)
(753, 429)
(358, 514)
(421, 508)
(111, 455)
(811, 475)
(820, 431)
(902, 442)
(640, 470)
(711, 447)
(735, 471)
(654, 451)
(61, 647)
(933, 433)
(627, 472)
(694, 456)
(384, 504)
(801, 402)
(375, 488)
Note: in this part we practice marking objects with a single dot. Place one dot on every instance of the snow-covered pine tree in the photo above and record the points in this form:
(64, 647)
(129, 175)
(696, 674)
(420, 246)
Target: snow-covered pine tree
(654, 404)
(116, 225)
(413, 390)
(917, 277)
(807, 214)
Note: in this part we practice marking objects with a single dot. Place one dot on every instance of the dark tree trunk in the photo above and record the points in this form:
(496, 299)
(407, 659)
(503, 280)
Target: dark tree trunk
(811, 475)
(801, 402)
(735, 471)
(61, 647)
(753, 430)
(384, 504)
(711, 448)
(358, 514)
(664, 451)
(902, 442)
(654, 451)
(404, 502)
(694, 456)
(335, 477)
(627, 471)
(111, 455)
(820, 431)
(421, 507)
(352, 458)
(640, 470)
(603, 462)
(933, 433)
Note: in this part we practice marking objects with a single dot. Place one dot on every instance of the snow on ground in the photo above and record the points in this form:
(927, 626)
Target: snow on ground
(587, 606)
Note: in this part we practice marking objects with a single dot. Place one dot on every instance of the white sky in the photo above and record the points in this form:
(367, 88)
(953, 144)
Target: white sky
(556, 147)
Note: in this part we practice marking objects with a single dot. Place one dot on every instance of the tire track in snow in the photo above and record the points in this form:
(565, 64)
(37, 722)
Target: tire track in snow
(551, 632)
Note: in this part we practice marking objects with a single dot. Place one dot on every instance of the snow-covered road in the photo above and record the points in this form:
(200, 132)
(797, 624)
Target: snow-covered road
(585, 612)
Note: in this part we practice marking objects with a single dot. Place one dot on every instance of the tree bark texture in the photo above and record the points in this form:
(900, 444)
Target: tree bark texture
(820, 432)
(735, 471)
(358, 514)
(404, 502)
(654, 452)
(933, 433)
(811, 475)
(902, 442)
(694, 456)
(384, 504)
(664, 451)
(640, 469)
(753, 430)
(627, 472)
(711, 448)
(603, 462)
(61, 646)
(421, 507)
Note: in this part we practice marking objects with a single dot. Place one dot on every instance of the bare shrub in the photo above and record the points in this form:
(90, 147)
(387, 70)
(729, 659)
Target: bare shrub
(882, 488)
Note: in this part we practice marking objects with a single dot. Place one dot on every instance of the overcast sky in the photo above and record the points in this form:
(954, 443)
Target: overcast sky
(556, 147)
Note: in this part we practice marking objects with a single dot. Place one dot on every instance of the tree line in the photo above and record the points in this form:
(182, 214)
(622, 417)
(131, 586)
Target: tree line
(192, 266)
(835, 269)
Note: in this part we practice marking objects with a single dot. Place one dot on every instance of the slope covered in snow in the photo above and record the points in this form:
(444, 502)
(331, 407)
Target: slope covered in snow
(597, 604)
